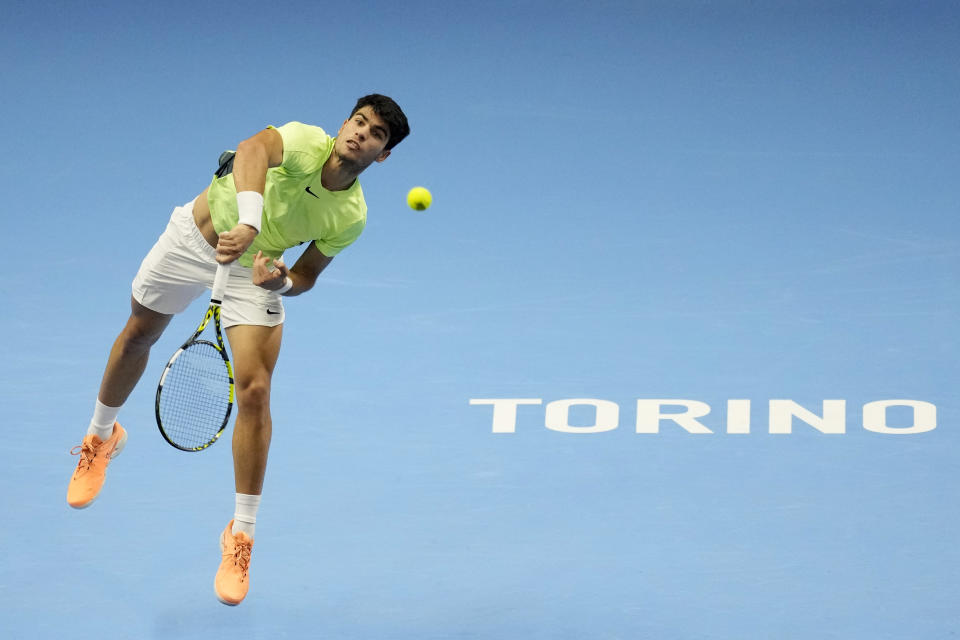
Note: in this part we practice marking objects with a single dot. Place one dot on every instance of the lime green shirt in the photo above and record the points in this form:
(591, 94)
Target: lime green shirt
(296, 207)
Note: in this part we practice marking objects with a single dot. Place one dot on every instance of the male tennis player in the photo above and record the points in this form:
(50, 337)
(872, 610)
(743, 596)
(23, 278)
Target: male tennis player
(288, 185)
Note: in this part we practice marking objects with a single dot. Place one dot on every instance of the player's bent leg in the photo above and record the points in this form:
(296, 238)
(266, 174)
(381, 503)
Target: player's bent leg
(126, 363)
(255, 350)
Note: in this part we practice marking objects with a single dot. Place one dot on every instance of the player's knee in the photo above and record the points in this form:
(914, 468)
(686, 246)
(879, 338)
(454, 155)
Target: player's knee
(253, 393)
(138, 337)
(143, 328)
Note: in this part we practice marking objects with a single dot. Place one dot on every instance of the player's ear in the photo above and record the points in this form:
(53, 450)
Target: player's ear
(383, 156)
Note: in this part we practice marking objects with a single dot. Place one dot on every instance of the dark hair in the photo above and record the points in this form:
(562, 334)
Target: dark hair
(391, 113)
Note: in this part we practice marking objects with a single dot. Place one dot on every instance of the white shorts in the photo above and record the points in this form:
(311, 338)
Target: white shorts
(180, 268)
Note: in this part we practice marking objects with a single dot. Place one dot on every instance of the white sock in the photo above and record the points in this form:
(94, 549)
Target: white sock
(245, 516)
(103, 418)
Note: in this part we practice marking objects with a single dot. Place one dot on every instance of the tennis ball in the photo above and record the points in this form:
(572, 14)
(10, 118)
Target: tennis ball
(419, 198)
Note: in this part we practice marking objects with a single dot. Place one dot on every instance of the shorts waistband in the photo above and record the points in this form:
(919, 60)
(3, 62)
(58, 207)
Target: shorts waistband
(182, 217)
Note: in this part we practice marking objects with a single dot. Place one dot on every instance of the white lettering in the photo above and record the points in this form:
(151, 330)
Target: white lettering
(505, 411)
(738, 416)
(557, 416)
(875, 416)
(834, 419)
(649, 415)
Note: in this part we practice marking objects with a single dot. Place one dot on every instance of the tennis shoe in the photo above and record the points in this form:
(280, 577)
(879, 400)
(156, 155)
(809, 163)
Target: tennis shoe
(95, 454)
(233, 576)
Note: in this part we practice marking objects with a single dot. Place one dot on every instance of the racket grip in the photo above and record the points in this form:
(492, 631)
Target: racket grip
(220, 283)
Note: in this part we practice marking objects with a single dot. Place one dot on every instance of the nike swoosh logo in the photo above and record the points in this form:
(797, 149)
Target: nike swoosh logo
(272, 313)
(311, 193)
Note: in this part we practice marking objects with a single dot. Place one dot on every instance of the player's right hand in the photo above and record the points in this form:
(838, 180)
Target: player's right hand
(232, 244)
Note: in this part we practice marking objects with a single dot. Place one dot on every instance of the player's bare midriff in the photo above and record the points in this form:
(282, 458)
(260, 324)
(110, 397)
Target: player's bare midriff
(201, 217)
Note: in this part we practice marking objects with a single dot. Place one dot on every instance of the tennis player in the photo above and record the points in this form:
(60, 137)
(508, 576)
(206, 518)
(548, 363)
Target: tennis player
(286, 186)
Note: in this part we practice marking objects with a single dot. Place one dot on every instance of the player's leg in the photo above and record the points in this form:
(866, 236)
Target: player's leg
(105, 437)
(175, 272)
(255, 351)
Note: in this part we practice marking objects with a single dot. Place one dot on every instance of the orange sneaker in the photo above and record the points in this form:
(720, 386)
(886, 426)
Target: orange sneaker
(233, 576)
(95, 454)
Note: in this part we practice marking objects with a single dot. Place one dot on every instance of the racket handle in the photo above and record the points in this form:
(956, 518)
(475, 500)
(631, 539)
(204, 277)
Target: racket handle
(220, 283)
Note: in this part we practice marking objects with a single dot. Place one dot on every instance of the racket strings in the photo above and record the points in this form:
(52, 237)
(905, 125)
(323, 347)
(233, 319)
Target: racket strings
(195, 399)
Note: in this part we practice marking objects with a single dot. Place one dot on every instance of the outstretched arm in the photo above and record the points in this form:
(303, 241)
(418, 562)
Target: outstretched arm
(254, 156)
(303, 274)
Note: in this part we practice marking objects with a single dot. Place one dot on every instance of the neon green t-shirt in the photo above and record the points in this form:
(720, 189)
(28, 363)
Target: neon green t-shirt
(296, 207)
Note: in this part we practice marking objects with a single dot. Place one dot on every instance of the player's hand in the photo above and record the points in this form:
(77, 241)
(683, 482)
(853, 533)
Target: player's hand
(267, 275)
(232, 244)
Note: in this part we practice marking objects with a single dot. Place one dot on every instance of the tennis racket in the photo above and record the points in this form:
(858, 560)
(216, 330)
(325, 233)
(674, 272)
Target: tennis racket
(195, 394)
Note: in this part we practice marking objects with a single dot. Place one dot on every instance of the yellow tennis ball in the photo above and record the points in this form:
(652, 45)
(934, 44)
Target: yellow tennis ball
(419, 198)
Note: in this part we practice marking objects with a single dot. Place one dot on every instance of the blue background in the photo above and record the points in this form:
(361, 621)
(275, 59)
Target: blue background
(699, 200)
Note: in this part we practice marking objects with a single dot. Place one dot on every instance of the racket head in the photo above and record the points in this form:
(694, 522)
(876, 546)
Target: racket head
(195, 396)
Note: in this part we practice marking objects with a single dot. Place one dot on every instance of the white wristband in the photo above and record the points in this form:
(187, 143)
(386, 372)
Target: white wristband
(286, 287)
(250, 206)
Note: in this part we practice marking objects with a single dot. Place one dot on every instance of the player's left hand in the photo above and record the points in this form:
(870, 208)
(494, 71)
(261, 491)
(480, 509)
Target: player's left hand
(267, 275)
(232, 244)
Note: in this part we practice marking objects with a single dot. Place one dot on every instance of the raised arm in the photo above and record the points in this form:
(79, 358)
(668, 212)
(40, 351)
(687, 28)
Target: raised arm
(254, 156)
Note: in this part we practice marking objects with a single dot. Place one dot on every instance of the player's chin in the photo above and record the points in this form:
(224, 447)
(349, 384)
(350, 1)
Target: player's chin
(354, 161)
(353, 157)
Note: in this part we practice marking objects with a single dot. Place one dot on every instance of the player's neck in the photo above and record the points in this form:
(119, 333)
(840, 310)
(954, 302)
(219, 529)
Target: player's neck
(337, 174)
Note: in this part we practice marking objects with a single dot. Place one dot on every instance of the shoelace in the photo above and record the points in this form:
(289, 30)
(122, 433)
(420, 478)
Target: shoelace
(86, 453)
(241, 557)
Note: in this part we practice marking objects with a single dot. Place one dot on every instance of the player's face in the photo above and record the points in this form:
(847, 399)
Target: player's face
(362, 139)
